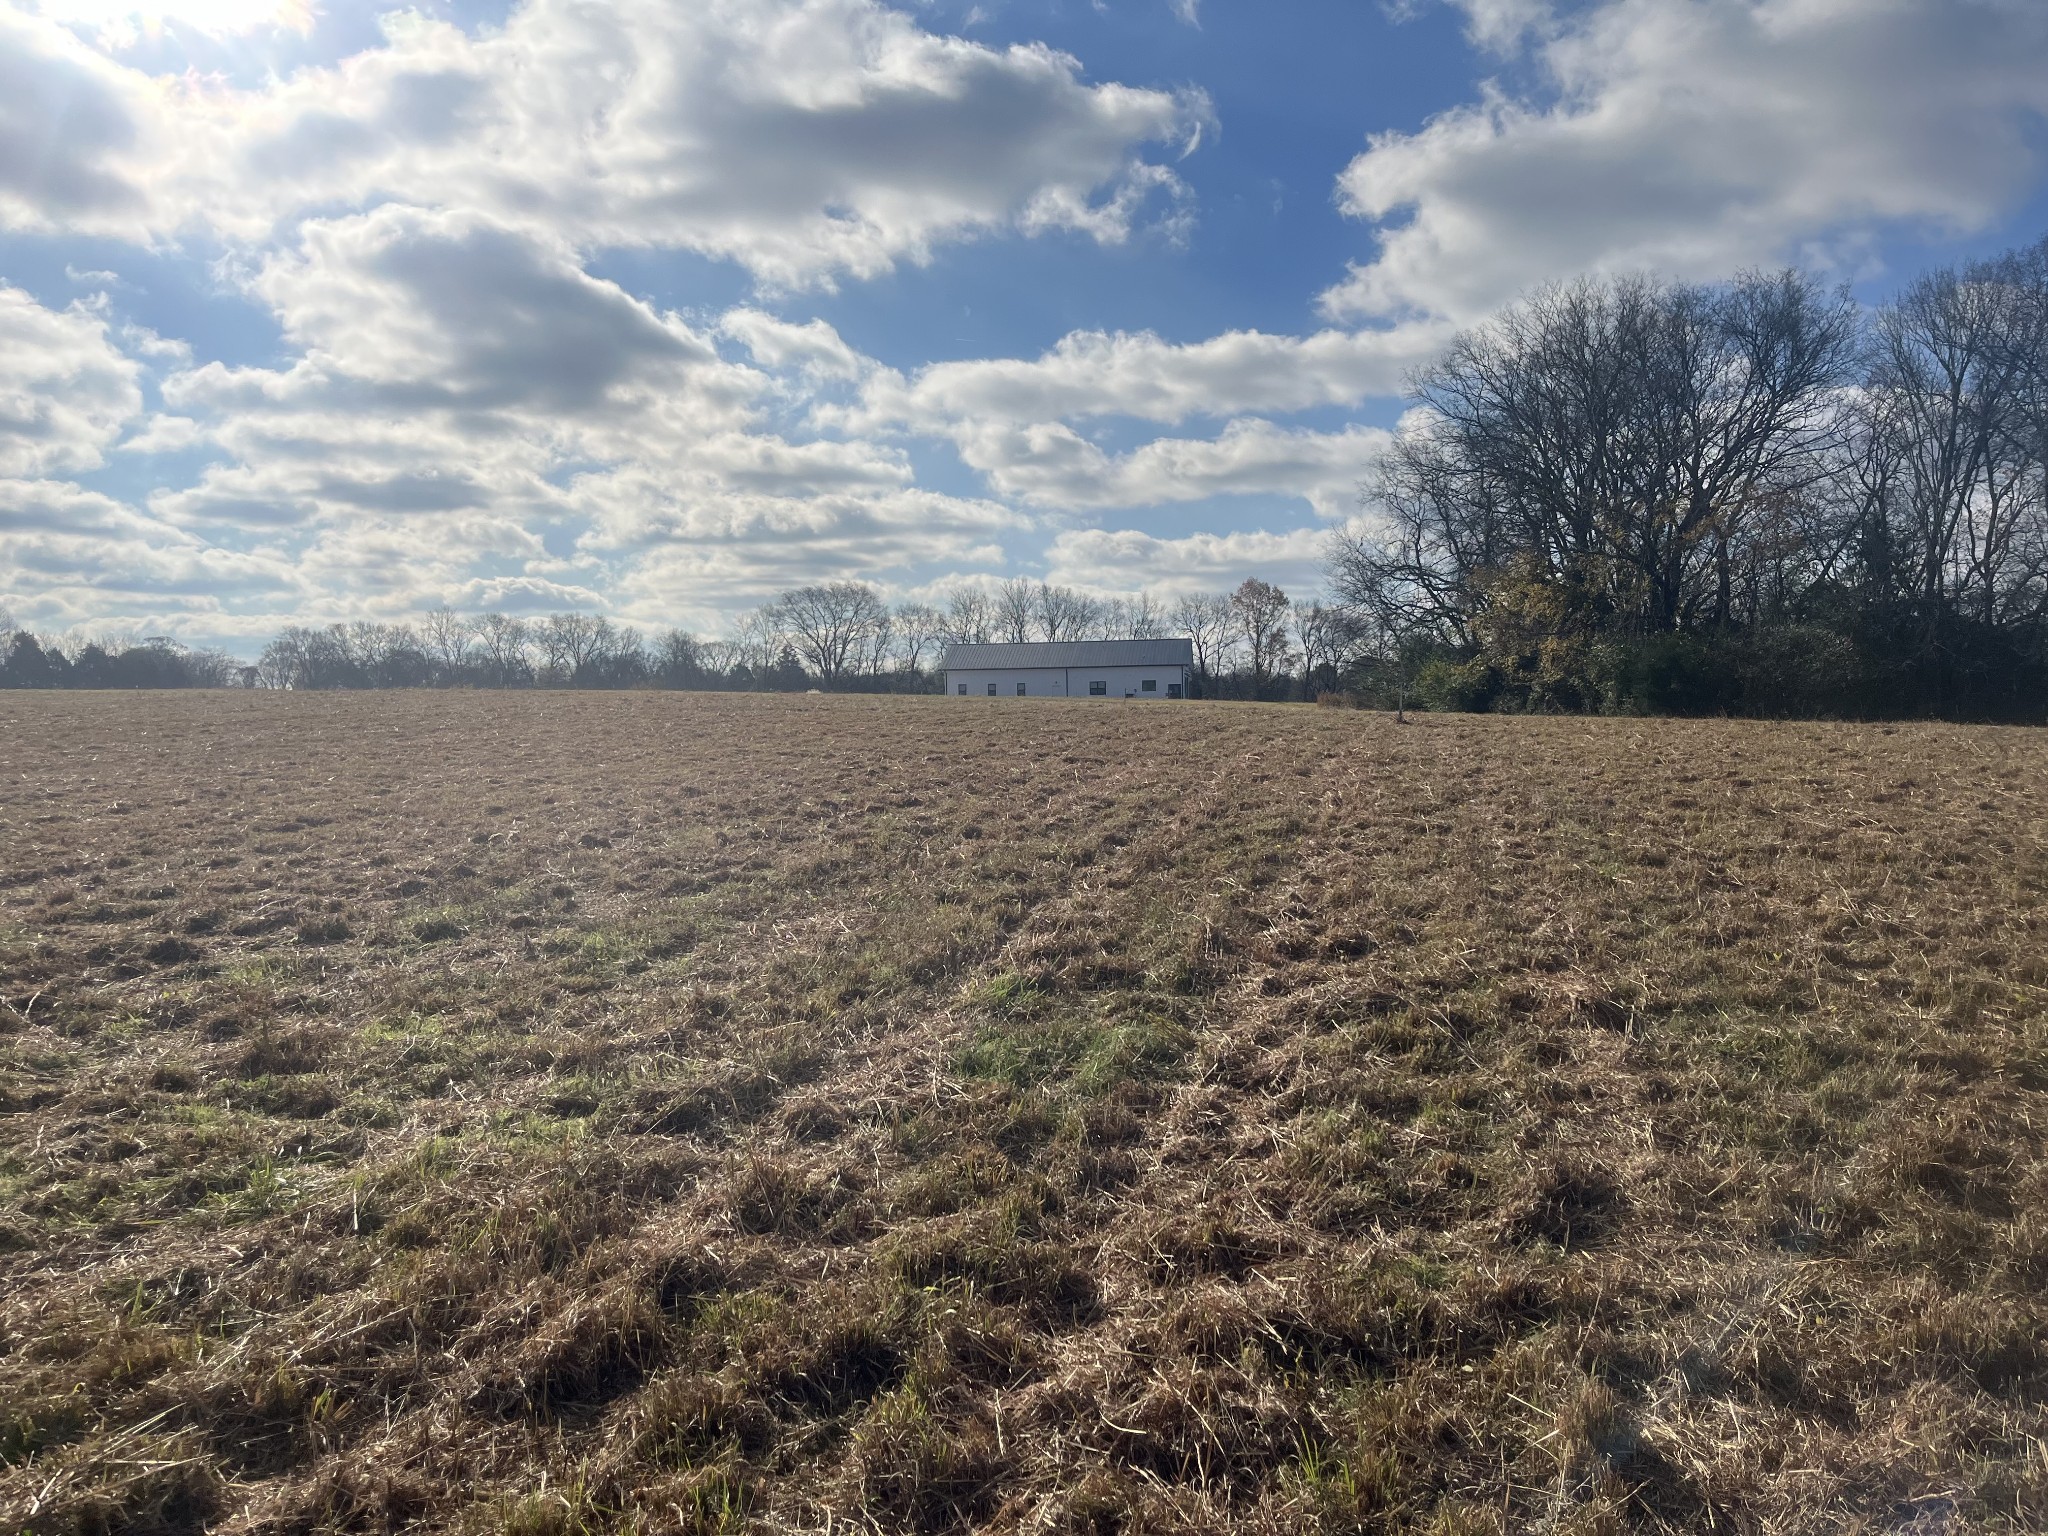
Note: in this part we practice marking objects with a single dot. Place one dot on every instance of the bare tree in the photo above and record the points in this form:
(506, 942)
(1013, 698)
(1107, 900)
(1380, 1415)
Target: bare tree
(211, 667)
(1107, 620)
(1015, 609)
(1628, 442)
(1143, 618)
(871, 655)
(1063, 613)
(503, 644)
(920, 630)
(450, 640)
(1204, 617)
(567, 641)
(1329, 636)
(1380, 612)
(970, 616)
(1129, 618)
(753, 645)
(1955, 411)
(1258, 617)
(283, 662)
(678, 659)
(312, 658)
(833, 627)
(383, 655)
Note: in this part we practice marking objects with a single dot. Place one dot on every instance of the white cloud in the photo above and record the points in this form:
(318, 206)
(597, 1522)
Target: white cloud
(1498, 25)
(456, 312)
(801, 138)
(1050, 465)
(65, 389)
(75, 130)
(1097, 374)
(457, 379)
(868, 527)
(75, 556)
(390, 567)
(466, 413)
(446, 364)
(703, 557)
(1697, 136)
(165, 434)
(1124, 560)
(813, 349)
(459, 384)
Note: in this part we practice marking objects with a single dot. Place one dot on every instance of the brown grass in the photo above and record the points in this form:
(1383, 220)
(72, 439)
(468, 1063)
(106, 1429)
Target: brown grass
(555, 1114)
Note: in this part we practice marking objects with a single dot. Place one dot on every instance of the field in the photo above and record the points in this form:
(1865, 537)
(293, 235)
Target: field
(553, 1113)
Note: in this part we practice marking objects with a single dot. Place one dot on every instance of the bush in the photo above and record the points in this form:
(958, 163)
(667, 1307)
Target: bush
(1469, 687)
(1796, 670)
(1786, 670)
(1671, 674)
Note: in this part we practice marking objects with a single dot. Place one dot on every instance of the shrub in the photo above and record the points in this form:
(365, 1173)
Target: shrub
(1670, 674)
(1469, 687)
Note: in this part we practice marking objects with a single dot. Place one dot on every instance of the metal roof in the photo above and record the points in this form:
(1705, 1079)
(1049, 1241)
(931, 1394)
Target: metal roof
(1070, 653)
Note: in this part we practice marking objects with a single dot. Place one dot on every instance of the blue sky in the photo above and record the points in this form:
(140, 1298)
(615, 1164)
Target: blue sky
(311, 313)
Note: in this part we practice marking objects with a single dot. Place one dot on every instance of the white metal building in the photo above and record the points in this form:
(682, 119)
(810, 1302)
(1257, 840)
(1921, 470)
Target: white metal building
(1079, 669)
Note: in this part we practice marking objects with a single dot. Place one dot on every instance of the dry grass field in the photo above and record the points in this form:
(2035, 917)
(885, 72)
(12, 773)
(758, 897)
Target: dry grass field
(553, 1113)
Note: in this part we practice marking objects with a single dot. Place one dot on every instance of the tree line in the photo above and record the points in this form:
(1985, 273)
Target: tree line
(1620, 494)
(1751, 497)
(1251, 642)
(31, 661)
(835, 635)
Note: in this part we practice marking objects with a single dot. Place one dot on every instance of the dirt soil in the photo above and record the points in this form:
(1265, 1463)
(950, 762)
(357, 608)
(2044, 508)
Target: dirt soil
(550, 1113)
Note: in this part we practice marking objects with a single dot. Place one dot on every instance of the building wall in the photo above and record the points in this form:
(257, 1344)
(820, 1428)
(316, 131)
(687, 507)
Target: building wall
(1065, 682)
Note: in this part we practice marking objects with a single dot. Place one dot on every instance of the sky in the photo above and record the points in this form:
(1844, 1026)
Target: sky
(655, 308)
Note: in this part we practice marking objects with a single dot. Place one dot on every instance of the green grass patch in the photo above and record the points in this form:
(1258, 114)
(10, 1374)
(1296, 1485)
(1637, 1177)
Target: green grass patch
(1028, 1050)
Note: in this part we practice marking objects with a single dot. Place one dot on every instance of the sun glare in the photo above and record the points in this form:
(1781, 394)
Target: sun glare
(119, 21)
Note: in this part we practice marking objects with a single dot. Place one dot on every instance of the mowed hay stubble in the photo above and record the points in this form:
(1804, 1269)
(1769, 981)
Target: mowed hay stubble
(549, 1112)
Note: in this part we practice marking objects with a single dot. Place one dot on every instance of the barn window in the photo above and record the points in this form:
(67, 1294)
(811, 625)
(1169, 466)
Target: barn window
(1099, 689)
(963, 688)
(1020, 690)
(1150, 685)
(991, 690)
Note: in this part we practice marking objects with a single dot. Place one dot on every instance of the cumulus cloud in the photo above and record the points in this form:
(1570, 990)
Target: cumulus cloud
(452, 311)
(1498, 25)
(1697, 136)
(445, 363)
(74, 131)
(466, 413)
(1010, 418)
(382, 566)
(459, 384)
(65, 389)
(813, 349)
(702, 555)
(804, 139)
(1049, 464)
(418, 217)
(75, 556)
(639, 507)
(1125, 559)
(523, 595)
(163, 433)
(1097, 374)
